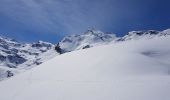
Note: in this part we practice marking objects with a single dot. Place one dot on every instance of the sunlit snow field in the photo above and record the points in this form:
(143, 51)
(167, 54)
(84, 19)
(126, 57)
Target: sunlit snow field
(130, 70)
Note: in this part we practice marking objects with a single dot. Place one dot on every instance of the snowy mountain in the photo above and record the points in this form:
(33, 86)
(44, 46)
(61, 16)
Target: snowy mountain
(16, 57)
(134, 35)
(92, 38)
(136, 69)
(88, 39)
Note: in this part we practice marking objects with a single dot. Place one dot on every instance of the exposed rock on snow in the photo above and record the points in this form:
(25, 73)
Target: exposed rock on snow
(22, 56)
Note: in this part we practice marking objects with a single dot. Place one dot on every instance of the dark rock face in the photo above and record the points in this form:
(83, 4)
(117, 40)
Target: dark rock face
(140, 33)
(38, 63)
(13, 60)
(4, 46)
(41, 44)
(2, 58)
(9, 74)
(16, 59)
(152, 32)
(87, 46)
(58, 49)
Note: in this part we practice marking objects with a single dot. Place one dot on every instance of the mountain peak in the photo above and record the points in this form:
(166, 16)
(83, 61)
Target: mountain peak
(90, 38)
(93, 31)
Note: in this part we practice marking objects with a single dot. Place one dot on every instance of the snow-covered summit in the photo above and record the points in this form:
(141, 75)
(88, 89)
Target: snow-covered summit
(86, 40)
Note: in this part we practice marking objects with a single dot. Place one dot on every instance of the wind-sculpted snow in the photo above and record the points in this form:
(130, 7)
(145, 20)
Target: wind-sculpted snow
(129, 70)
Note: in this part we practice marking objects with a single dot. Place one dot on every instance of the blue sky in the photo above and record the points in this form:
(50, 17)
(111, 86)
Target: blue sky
(50, 20)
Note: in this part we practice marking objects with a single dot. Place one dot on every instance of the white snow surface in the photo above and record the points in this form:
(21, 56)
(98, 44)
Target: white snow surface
(130, 70)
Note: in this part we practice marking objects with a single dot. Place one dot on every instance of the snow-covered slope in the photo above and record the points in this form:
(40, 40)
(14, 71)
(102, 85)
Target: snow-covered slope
(16, 57)
(88, 39)
(93, 37)
(149, 34)
(129, 70)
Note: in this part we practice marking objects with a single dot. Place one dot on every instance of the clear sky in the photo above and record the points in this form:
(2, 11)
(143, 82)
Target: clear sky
(50, 20)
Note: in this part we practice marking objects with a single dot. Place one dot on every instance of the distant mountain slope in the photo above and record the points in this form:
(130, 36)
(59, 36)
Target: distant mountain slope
(94, 37)
(15, 56)
(88, 39)
(138, 69)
